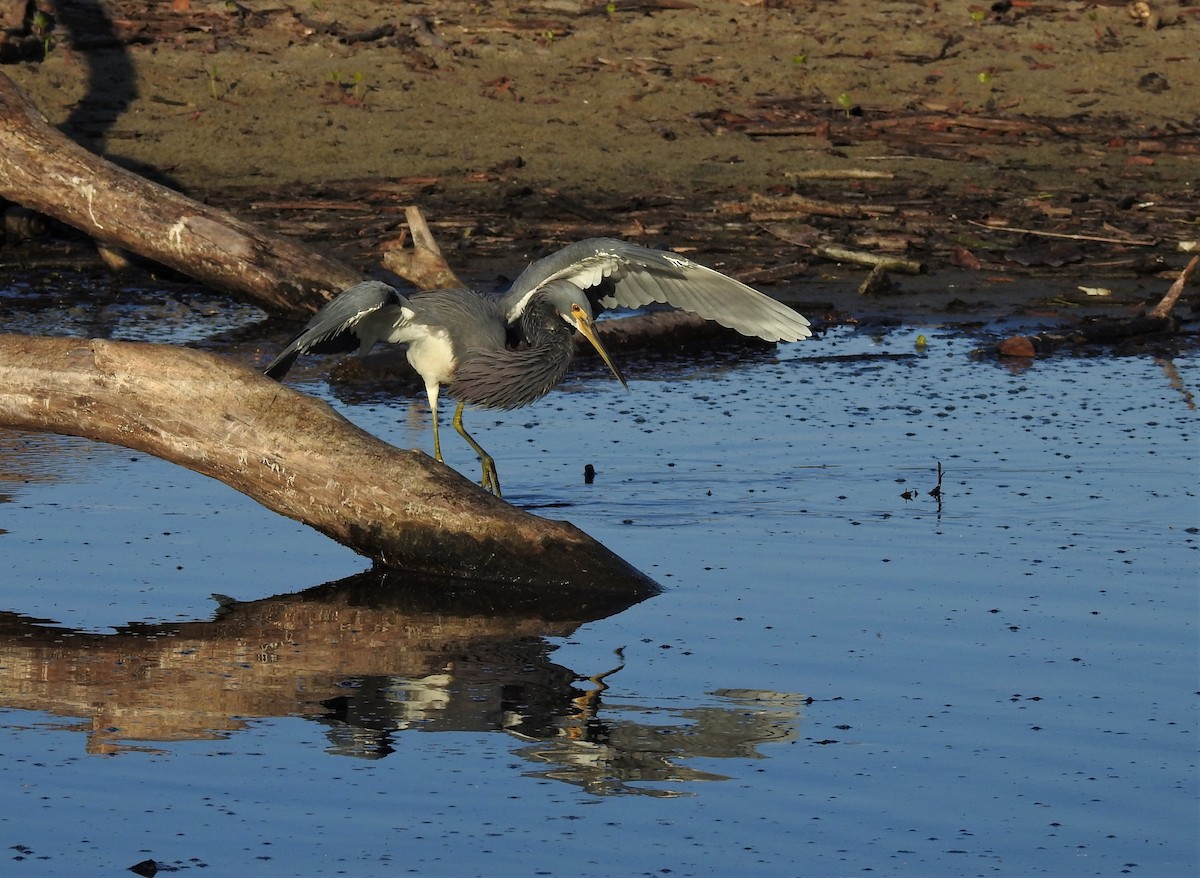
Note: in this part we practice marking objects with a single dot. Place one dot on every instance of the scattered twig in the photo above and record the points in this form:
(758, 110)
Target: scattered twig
(368, 36)
(840, 174)
(1130, 239)
(936, 490)
(313, 204)
(877, 283)
(772, 273)
(761, 208)
(860, 257)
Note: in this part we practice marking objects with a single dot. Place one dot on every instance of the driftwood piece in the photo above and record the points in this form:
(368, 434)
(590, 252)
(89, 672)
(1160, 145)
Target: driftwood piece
(1167, 304)
(423, 265)
(297, 456)
(877, 283)
(43, 170)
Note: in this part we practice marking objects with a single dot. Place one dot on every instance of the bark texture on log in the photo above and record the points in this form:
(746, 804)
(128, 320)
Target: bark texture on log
(297, 456)
(42, 169)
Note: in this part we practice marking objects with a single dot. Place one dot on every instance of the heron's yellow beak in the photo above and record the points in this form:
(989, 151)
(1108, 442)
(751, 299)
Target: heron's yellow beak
(584, 324)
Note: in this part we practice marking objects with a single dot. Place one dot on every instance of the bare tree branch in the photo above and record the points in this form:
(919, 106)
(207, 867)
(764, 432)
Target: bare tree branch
(295, 455)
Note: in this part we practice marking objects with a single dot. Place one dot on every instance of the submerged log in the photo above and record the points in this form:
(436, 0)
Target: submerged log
(1091, 331)
(1159, 321)
(295, 455)
(43, 170)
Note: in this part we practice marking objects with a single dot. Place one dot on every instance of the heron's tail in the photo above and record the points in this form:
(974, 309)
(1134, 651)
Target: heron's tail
(282, 364)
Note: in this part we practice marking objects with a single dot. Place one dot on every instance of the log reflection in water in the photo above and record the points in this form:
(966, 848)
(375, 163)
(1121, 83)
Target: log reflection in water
(605, 749)
(370, 657)
(638, 751)
(280, 656)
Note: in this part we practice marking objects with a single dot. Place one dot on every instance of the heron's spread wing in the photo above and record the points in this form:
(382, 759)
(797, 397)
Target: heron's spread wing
(620, 274)
(355, 319)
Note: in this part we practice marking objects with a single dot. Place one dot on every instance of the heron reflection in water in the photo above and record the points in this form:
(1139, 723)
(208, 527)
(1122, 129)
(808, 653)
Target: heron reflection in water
(509, 350)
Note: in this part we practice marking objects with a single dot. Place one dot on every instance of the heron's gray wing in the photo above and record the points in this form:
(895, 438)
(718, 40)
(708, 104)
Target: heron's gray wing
(620, 274)
(354, 319)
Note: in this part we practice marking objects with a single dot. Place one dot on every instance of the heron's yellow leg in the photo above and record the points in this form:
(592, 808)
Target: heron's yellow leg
(437, 442)
(490, 480)
(432, 389)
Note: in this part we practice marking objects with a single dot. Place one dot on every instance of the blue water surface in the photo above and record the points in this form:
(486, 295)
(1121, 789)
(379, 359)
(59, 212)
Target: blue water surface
(844, 674)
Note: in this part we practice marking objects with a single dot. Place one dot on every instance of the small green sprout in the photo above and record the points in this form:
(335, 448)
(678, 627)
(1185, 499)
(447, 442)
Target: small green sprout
(40, 26)
(845, 102)
(213, 79)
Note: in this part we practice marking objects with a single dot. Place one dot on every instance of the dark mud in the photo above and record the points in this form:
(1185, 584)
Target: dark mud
(1049, 141)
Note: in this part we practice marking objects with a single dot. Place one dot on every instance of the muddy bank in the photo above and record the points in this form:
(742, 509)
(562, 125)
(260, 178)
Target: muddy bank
(1022, 139)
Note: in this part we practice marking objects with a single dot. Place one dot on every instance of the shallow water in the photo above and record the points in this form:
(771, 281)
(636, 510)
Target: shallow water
(836, 680)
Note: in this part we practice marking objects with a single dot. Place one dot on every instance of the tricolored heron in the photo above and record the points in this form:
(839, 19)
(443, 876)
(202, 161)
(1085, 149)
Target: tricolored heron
(509, 350)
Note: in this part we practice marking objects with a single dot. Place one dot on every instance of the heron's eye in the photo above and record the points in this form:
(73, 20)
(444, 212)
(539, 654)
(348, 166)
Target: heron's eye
(576, 309)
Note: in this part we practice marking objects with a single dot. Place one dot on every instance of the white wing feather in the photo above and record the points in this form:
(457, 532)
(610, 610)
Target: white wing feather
(620, 274)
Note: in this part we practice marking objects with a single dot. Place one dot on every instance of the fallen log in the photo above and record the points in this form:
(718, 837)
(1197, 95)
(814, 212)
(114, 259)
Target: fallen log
(43, 170)
(295, 455)
(1159, 321)
(1093, 330)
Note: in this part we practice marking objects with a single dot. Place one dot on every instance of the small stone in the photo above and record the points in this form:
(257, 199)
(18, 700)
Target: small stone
(1016, 346)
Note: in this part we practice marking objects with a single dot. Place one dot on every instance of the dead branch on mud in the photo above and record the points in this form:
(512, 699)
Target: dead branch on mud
(836, 253)
(294, 455)
(1164, 307)
(1127, 240)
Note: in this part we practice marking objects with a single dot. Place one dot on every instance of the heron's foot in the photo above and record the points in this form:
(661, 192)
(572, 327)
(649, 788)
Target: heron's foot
(491, 479)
